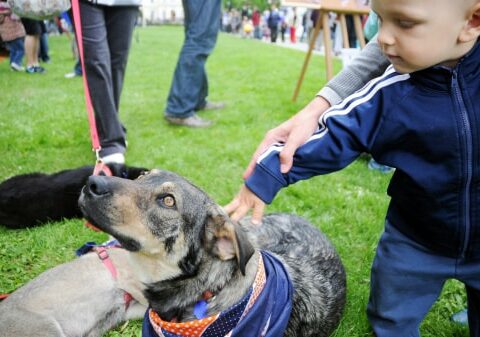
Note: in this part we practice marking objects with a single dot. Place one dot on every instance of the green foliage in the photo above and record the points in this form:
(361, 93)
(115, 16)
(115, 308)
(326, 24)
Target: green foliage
(261, 4)
(44, 128)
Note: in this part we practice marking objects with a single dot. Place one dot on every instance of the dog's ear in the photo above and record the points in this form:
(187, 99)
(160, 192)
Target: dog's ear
(228, 240)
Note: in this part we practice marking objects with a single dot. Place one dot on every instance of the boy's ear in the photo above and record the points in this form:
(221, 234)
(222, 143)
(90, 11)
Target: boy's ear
(471, 31)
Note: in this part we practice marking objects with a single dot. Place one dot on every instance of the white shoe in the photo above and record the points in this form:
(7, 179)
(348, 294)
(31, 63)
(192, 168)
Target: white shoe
(16, 67)
(114, 158)
(71, 75)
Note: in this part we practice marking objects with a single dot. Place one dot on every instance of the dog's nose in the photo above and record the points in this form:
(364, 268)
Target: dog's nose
(98, 185)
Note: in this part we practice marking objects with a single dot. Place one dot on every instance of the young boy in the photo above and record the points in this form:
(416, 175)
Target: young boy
(423, 118)
(13, 34)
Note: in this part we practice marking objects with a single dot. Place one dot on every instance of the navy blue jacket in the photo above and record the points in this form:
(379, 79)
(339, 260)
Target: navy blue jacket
(425, 124)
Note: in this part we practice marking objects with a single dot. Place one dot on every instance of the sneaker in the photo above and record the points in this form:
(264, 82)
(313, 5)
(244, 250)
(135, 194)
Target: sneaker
(30, 70)
(373, 165)
(193, 121)
(39, 69)
(114, 158)
(213, 106)
(16, 67)
(72, 75)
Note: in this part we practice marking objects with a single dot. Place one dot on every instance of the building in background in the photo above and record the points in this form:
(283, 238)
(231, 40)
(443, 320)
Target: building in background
(162, 12)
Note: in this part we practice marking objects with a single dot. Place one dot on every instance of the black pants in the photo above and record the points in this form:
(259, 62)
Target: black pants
(107, 33)
(273, 34)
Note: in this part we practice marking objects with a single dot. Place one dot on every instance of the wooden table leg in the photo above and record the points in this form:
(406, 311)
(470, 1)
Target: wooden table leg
(311, 45)
(343, 25)
(358, 30)
(327, 40)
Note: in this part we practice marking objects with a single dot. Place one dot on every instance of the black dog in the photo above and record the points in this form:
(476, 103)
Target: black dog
(33, 199)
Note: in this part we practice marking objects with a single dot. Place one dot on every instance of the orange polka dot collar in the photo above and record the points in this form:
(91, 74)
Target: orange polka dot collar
(260, 304)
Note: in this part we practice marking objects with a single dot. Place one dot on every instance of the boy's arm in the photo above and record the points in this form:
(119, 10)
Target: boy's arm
(369, 64)
(345, 131)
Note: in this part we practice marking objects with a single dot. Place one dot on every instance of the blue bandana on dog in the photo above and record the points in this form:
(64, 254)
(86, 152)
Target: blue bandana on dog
(267, 317)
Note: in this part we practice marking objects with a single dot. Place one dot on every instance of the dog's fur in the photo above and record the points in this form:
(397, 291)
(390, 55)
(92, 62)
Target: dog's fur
(78, 298)
(33, 199)
(183, 244)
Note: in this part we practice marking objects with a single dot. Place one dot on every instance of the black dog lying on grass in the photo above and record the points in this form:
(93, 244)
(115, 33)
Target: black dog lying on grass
(33, 199)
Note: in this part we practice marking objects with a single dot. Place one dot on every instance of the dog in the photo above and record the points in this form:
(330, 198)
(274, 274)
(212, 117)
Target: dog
(183, 247)
(33, 199)
(83, 297)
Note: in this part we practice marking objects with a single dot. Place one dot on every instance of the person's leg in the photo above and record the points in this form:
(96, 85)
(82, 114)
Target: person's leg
(273, 34)
(406, 280)
(20, 50)
(77, 68)
(16, 48)
(43, 53)
(190, 85)
(99, 79)
(120, 22)
(473, 296)
(469, 274)
(30, 50)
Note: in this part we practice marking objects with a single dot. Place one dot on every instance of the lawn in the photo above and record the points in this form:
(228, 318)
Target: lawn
(44, 128)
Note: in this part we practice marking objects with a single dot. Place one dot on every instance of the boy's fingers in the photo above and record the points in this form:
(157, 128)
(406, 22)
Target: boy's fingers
(286, 155)
(231, 206)
(239, 213)
(257, 214)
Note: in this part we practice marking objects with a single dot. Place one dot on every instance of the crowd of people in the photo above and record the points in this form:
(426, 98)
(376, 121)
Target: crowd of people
(251, 22)
(285, 24)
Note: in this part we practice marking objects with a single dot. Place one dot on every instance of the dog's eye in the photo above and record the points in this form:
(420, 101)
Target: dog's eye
(168, 201)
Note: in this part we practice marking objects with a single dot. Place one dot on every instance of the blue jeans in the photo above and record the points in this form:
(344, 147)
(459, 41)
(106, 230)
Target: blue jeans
(43, 52)
(406, 280)
(189, 88)
(17, 50)
(77, 68)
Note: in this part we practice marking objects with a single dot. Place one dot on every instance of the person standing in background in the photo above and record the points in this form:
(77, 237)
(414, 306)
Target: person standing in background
(256, 18)
(189, 88)
(13, 34)
(107, 28)
(33, 29)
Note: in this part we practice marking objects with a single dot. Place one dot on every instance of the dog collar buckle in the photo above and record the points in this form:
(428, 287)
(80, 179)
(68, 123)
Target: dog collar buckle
(102, 254)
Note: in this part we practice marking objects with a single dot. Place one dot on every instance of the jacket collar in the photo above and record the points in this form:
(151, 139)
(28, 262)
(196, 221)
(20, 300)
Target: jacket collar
(440, 77)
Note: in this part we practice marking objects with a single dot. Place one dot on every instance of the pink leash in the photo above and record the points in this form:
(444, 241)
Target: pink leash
(100, 167)
(88, 100)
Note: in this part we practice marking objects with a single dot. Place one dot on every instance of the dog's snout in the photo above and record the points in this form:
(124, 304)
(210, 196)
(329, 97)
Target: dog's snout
(98, 185)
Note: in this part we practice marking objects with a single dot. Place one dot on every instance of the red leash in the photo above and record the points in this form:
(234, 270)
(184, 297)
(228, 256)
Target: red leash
(100, 167)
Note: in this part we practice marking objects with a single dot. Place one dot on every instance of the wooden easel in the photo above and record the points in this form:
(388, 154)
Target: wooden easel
(341, 8)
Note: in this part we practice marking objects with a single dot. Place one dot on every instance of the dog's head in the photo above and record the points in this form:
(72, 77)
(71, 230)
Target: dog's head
(163, 214)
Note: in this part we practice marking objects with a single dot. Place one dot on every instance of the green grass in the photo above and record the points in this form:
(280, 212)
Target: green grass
(44, 128)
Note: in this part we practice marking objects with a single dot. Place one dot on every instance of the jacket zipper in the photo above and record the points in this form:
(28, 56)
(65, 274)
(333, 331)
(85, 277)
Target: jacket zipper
(469, 151)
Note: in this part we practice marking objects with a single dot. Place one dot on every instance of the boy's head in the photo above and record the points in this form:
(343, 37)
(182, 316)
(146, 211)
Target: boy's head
(417, 34)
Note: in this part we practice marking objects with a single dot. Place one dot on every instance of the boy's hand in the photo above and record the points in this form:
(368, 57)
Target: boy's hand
(242, 203)
(293, 133)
